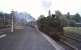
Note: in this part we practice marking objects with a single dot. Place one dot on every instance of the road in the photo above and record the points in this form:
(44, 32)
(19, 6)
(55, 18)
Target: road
(28, 39)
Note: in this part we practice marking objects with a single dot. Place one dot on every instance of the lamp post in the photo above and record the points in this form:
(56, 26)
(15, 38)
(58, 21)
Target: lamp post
(12, 14)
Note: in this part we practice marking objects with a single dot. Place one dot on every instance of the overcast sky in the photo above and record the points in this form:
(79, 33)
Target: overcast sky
(37, 7)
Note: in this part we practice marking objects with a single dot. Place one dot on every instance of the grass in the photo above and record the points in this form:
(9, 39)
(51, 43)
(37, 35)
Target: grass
(72, 30)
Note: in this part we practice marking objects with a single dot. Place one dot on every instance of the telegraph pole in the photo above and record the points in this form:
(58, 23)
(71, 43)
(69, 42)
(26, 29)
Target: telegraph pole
(49, 13)
(4, 19)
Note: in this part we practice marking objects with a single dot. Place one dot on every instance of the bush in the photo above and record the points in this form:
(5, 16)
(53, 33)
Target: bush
(51, 26)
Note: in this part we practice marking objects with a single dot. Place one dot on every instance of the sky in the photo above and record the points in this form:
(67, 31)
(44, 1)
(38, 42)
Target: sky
(38, 7)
